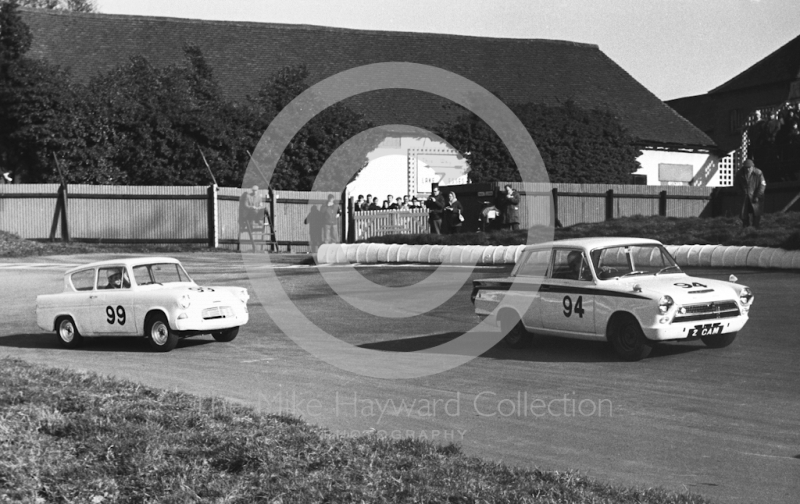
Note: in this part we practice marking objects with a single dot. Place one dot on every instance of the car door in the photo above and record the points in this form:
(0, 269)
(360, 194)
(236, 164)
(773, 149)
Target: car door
(112, 306)
(528, 278)
(567, 295)
(81, 302)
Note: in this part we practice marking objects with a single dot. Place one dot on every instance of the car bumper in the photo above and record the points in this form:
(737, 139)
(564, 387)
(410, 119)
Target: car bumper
(194, 321)
(694, 329)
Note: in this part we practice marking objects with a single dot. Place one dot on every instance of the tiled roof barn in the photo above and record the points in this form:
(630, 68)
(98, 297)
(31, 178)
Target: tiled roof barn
(243, 54)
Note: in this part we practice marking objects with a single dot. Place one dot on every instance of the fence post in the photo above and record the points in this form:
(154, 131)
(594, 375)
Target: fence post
(273, 242)
(556, 222)
(662, 203)
(344, 235)
(610, 204)
(351, 220)
(213, 217)
(64, 221)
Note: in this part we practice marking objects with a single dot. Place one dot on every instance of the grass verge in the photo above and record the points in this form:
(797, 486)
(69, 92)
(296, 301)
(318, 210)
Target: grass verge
(777, 230)
(75, 437)
(11, 245)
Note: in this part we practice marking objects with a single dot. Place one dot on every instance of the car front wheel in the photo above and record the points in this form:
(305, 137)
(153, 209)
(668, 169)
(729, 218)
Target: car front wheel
(628, 340)
(226, 335)
(160, 336)
(718, 340)
(67, 333)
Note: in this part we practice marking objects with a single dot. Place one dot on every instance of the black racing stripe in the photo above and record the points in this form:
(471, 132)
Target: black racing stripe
(558, 289)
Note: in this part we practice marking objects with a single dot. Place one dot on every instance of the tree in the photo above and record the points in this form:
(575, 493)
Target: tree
(70, 5)
(576, 145)
(299, 165)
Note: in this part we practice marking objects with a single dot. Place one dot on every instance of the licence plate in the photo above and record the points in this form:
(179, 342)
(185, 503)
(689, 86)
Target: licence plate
(705, 330)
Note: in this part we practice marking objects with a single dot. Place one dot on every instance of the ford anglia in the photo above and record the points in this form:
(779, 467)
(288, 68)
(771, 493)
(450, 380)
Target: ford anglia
(152, 297)
(627, 291)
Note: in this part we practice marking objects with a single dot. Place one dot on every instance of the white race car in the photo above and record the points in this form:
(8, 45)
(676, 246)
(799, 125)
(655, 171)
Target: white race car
(148, 296)
(628, 291)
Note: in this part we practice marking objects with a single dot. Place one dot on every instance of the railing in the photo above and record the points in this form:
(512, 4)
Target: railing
(383, 222)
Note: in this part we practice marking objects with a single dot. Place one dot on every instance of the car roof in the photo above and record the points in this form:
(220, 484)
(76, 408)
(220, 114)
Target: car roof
(594, 242)
(125, 261)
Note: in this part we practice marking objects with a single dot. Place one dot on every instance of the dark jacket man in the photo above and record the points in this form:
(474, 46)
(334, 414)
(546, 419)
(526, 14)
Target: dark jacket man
(750, 182)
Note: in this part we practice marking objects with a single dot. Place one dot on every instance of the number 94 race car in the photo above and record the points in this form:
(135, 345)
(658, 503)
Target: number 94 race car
(151, 297)
(628, 291)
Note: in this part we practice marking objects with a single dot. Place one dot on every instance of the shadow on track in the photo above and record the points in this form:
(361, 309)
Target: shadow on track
(542, 349)
(100, 344)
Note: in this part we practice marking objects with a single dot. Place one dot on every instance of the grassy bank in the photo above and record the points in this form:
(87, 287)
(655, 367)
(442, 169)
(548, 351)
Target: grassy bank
(11, 245)
(777, 230)
(71, 437)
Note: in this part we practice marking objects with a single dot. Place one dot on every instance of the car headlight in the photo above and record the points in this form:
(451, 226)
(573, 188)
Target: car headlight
(664, 304)
(745, 296)
(185, 301)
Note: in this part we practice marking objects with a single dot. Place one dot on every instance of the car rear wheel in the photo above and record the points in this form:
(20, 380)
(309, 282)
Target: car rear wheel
(160, 336)
(719, 340)
(627, 339)
(515, 334)
(226, 335)
(68, 333)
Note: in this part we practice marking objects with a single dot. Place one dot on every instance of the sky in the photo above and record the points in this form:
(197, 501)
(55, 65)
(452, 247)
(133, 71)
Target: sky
(675, 48)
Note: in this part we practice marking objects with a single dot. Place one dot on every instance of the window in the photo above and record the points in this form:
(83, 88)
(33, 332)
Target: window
(571, 265)
(632, 259)
(114, 277)
(160, 273)
(534, 263)
(83, 280)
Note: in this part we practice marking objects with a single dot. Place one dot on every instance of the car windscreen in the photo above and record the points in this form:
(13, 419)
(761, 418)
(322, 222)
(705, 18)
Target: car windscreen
(160, 273)
(631, 260)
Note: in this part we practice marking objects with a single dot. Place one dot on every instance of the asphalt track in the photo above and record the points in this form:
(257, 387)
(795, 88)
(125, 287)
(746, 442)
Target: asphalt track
(722, 423)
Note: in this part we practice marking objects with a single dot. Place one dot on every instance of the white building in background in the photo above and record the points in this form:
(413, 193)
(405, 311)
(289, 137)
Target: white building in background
(409, 166)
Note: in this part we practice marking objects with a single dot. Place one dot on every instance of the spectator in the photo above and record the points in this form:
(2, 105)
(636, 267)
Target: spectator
(385, 205)
(508, 204)
(453, 215)
(405, 204)
(330, 220)
(251, 213)
(392, 204)
(750, 182)
(315, 225)
(435, 206)
(415, 203)
(374, 205)
(359, 205)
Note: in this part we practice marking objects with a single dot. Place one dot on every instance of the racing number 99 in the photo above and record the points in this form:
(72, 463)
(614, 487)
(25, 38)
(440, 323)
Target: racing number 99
(569, 309)
(117, 315)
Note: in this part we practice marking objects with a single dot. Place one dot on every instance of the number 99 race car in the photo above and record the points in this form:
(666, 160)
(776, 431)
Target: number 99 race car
(151, 297)
(628, 291)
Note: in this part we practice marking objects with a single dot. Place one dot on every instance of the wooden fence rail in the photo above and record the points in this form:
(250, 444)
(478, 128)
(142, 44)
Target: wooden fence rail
(209, 214)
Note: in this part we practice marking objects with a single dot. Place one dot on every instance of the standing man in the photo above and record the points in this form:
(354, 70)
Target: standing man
(359, 204)
(251, 213)
(330, 220)
(750, 181)
(508, 203)
(435, 205)
(454, 214)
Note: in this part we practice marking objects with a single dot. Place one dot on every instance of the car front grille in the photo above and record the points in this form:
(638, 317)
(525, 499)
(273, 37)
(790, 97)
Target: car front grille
(217, 312)
(707, 311)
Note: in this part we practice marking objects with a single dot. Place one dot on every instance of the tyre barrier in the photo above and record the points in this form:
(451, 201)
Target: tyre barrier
(715, 256)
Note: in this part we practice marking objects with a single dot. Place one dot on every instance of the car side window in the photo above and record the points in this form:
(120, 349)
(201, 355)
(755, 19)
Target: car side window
(83, 280)
(113, 278)
(535, 264)
(571, 265)
(142, 275)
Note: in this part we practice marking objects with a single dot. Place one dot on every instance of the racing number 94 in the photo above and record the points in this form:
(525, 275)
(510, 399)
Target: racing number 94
(117, 315)
(569, 308)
